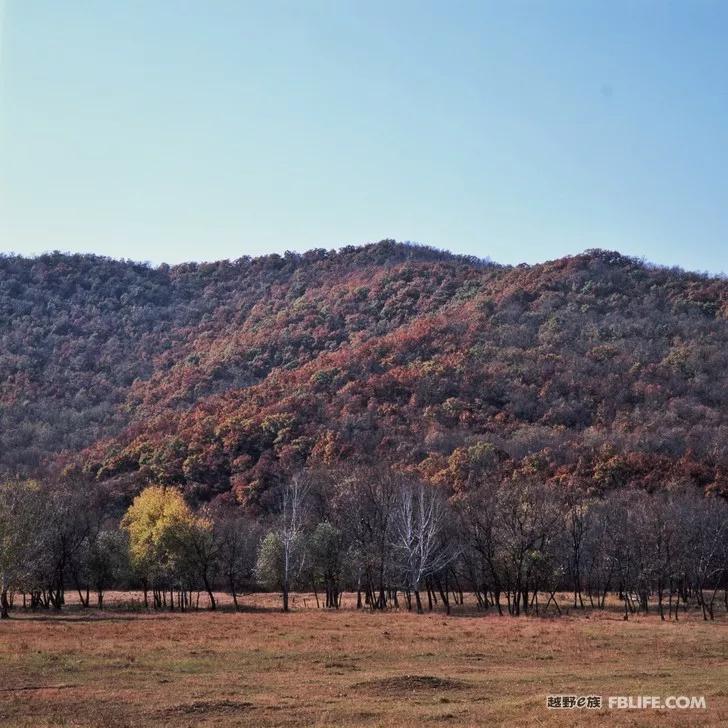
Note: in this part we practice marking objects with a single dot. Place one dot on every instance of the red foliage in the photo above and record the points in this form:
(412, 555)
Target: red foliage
(224, 377)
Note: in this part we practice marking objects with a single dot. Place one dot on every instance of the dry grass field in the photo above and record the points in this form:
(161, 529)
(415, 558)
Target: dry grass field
(260, 667)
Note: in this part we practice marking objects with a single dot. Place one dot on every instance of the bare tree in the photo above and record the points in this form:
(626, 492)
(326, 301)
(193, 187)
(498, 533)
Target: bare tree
(598, 564)
(367, 497)
(420, 542)
(528, 518)
(281, 551)
(478, 513)
(707, 521)
(578, 515)
(239, 536)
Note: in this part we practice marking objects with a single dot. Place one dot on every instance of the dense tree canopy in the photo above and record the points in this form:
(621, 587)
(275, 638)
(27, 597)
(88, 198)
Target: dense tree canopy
(226, 377)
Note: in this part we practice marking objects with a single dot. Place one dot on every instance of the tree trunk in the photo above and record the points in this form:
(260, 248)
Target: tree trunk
(443, 594)
(208, 589)
(418, 601)
(232, 592)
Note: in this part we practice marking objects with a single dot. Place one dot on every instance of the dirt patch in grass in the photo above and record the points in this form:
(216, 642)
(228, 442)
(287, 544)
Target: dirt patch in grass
(350, 666)
(399, 684)
(206, 707)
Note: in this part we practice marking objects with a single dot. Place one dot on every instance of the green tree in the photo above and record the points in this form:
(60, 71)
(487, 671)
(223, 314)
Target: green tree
(269, 567)
(326, 553)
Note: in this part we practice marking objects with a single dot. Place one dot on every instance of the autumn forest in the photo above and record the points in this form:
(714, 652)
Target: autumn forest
(386, 420)
(224, 378)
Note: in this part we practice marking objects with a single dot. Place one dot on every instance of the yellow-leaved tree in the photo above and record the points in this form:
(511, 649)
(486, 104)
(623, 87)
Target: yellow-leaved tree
(169, 546)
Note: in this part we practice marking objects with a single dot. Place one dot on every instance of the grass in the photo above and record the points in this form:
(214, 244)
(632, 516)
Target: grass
(347, 668)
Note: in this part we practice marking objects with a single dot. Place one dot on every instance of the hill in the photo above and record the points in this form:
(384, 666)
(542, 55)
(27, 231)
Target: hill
(222, 377)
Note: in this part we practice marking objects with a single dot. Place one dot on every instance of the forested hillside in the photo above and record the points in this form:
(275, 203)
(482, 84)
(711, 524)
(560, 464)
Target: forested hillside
(223, 377)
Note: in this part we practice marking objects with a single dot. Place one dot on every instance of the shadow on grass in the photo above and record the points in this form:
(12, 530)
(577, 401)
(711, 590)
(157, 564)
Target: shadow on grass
(72, 615)
(124, 614)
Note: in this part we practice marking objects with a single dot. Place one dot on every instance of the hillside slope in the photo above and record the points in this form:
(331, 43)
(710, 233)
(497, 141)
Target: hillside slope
(225, 376)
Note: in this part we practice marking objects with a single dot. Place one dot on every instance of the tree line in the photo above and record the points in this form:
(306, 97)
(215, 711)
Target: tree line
(394, 540)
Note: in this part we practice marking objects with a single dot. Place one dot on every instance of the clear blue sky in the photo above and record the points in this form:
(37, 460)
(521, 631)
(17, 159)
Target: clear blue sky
(169, 131)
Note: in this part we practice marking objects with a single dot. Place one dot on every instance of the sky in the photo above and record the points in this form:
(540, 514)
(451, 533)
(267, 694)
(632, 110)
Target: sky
(519, 131)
